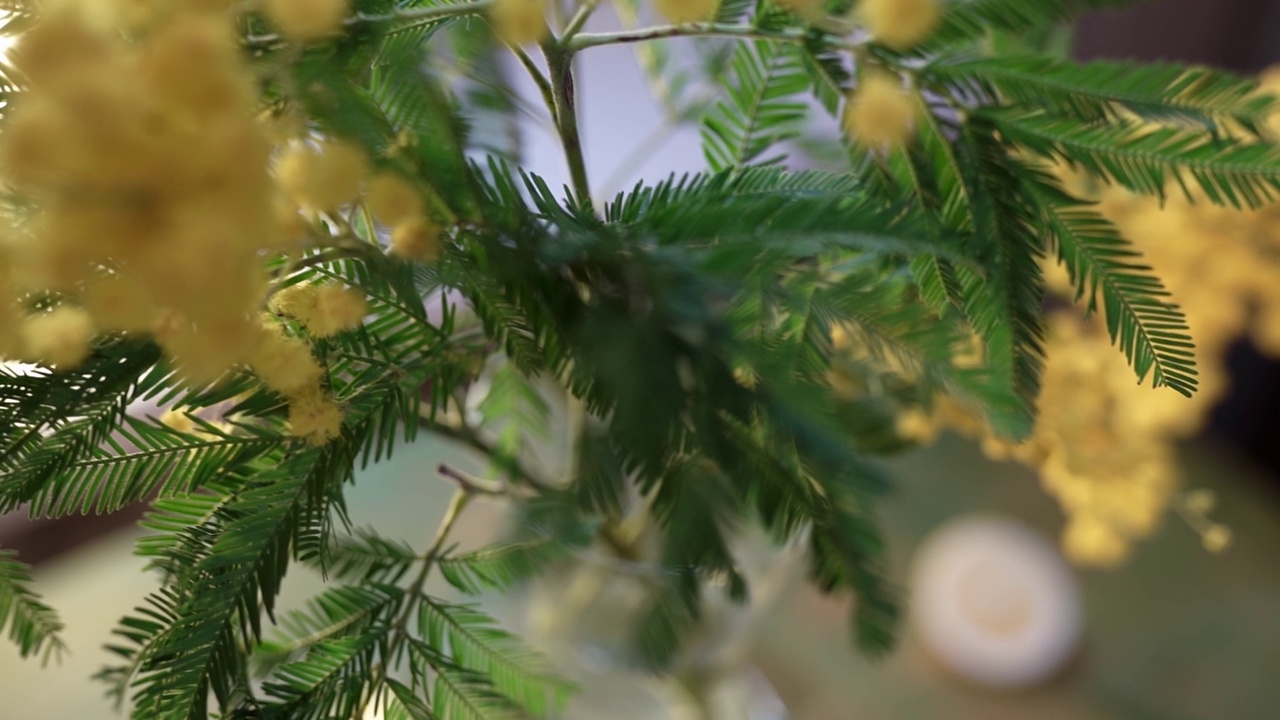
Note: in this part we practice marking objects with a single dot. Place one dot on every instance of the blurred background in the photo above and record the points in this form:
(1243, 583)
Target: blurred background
(1176, 633)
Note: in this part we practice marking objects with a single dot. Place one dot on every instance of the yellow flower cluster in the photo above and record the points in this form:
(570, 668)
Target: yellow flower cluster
(395, 202)
(156, 210)
(520, 22)
(899, 24)
(1113, 475)
(307, 21)
(324, 310)
(1105, 446)
(880, 112)
(149, 172)
(332, 175)
(285, 364)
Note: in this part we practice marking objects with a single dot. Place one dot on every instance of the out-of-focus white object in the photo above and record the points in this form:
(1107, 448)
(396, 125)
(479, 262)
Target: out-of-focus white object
(748, 695)
(995, 603)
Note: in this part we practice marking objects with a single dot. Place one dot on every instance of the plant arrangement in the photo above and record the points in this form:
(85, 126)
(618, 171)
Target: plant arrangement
(298, 227)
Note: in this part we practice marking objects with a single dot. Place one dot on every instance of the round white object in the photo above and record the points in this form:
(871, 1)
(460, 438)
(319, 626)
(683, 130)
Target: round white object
(995, 603)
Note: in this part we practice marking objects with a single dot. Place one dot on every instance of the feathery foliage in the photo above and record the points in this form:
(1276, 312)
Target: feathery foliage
(649, 374)
(33, 626)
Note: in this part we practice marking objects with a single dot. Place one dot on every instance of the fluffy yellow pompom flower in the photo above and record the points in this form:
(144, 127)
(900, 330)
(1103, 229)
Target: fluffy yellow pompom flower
(10, 322)
(688, 11)
(315, 415)
(880, 112)
(1091, 542)
(520, 22)
(324, 310)
(393, 199)
(337, 309)
(417, 239)
(297, 301)
(1217, 538)
(60, 338)
(900, 24)
(122, 304)
(307, 21)
(284, 363)
(193, 64)
(59, 44)
(325, 179)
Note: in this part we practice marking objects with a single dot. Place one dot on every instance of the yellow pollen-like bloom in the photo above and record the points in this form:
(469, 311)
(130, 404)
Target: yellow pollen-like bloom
(284, 363)
(520, 22)
(194, 64)
(880, 112)
(1217, 538)
(315, 416)
(178, 420)
(337, 309)
(899, 24)
(307, 21)
(60, 338)
(1090, 542)
(10, 322)
(392, 199)
(119, 303)
(324, 310)
(323, 179)
(417, 240)
(297, 301)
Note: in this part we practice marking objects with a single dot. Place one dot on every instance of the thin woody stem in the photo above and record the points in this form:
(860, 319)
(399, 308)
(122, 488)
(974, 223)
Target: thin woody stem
(742, 32)
(560, 64)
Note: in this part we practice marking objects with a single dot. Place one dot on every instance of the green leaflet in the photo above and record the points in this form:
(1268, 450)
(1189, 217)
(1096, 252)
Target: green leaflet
(499, 567)
(1149, 160)
(331, 682)
(144, 459)
(1099, 90)
(33, 626)
(1005, 306)
(966, 21)
(80, 407)
(241, 567)
(762, 108)
(1151, 332)
(490, 668)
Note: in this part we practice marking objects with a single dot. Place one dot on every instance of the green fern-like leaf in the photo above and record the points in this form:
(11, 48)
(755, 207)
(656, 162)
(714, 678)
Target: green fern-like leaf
(1151, 332)
(33, 626)
(478, 646)
(965, 21)
(50, 420)
(238, 576)
(1098, 90)
(762, 109)
(1005, 305)
(142, 459)
(339, 612)
(502, 566)
(404, 704)
(1148, 161)
(367, 556)
(464, 695)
